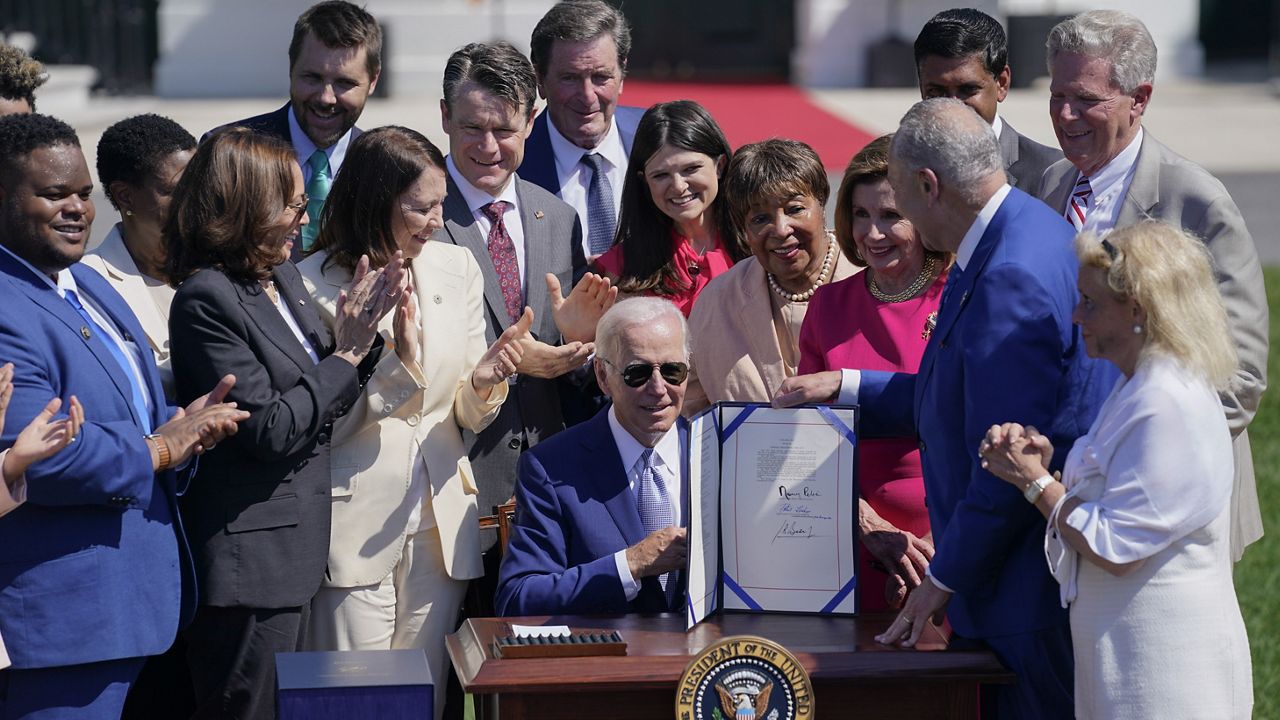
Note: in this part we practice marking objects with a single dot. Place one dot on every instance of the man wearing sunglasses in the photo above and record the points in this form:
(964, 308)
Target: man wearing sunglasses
(600, 506)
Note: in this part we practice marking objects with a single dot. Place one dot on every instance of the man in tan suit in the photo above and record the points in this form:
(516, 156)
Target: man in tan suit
(1102, 66)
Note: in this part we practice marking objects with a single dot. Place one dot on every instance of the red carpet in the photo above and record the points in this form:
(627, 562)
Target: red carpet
(748, 113)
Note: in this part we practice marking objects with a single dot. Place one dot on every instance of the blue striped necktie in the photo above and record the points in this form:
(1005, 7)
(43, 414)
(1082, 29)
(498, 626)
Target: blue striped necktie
(139, 403)
(1081, 196)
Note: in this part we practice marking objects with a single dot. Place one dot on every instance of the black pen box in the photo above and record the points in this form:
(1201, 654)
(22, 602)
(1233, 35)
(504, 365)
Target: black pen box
(574, 645)
(384, 684)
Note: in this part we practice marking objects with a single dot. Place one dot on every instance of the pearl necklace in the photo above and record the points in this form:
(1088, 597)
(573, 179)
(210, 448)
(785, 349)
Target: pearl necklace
(828, 263)
(924, 278)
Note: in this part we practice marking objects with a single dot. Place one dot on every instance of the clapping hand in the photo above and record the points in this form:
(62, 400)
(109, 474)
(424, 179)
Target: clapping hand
(42, 437)
(363, 304)
(502, 358)
(576, 316)
(540, 360)
(1016, 454)
(201, 425)
(404, 328)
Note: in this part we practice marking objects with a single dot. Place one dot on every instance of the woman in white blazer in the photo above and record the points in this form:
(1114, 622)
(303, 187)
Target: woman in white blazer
(405, 535)
(140, 160)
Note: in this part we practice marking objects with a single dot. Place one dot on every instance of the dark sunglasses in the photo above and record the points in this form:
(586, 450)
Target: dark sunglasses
(637, 374)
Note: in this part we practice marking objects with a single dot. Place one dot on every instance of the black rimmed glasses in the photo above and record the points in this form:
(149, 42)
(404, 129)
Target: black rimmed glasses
(637, 374)
(298, 207)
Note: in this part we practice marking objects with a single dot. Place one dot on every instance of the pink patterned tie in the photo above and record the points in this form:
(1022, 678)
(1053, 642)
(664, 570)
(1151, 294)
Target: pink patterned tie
(503, 253)
(1080, 196)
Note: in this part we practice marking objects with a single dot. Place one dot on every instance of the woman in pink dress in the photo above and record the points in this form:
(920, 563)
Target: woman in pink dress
(673, 235)
(880, 319)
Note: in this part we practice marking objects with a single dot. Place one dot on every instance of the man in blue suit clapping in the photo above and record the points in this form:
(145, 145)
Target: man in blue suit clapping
(1004, 345)
(95, 573)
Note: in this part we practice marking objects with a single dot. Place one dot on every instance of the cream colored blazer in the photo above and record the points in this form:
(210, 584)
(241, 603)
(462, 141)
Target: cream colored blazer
(406, 415)
(112, 261)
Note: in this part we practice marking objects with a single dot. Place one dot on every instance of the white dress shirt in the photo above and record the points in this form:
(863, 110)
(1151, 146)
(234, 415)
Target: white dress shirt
(292, 322)
(476, 199)
(997, 125)
(667, 461)
(575, 176)
(304, 149)
(1110, 185)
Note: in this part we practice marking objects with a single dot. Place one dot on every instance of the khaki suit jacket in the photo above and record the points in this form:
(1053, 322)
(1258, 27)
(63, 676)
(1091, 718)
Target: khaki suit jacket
(1168, 187)
(112, 261)
(407, 413)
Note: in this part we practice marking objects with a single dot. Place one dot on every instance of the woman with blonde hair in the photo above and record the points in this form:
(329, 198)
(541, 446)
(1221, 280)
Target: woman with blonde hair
(1139, 525)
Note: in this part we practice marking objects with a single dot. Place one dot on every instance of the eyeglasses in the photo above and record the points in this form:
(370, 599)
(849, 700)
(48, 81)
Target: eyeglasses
(1112, 252)
(298, 207)
(637, 374)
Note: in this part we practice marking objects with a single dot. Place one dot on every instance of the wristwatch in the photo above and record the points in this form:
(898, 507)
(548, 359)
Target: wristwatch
(1033, 491)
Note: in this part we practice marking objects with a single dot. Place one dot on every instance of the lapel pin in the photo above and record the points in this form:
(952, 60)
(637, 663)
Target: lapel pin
(438, 299)
(537, 214)
(301, 301)
(84, 330)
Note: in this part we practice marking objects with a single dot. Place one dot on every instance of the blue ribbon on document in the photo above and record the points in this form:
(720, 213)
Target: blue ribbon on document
(735, 423)
(737, 590)
(834, 421)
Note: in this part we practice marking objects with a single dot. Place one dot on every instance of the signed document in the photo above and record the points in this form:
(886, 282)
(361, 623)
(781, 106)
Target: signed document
(782, 492)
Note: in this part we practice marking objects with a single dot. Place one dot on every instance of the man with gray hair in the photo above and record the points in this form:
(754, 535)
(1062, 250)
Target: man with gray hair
(1102, 66)
(600, 507)
(1003, 347)
(579, 147)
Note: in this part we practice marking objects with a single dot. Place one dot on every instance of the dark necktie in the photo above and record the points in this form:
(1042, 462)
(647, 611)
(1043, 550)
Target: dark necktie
(139, 403)
(953, 279)
(503, 253)
(1081, 195)
(602, 223)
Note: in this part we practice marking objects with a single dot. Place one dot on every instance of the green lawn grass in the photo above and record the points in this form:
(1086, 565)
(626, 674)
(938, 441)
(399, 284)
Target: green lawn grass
(1258, 573)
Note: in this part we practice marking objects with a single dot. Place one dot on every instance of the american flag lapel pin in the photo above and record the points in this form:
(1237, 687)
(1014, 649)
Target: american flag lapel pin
(537, 214)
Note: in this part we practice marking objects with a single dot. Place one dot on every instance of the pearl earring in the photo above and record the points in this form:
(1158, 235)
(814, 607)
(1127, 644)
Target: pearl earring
(1137, 329)
(128, 213)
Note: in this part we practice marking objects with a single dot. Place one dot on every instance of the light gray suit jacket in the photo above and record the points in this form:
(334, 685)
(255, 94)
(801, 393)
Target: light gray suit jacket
(1025, 160)
(1168, 187)
(532, 412)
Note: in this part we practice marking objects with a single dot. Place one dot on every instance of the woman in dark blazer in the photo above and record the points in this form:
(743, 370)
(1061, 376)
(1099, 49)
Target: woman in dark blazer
(257, 510)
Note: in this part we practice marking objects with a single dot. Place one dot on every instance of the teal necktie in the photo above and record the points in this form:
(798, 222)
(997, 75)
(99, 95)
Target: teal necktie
(317, 191)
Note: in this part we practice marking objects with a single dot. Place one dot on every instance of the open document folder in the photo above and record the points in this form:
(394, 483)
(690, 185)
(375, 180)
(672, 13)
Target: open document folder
(772, 507)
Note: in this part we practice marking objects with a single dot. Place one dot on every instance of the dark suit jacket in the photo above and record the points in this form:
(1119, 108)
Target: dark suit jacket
(532, 412)
(1004, 349)
(574, 510)
(94, 566)
(539, 164)
(1025, 160)
(1168, 187)
(257, 511)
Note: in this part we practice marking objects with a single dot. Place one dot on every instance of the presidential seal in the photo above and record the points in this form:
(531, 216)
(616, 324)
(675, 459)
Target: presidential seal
(744, 678)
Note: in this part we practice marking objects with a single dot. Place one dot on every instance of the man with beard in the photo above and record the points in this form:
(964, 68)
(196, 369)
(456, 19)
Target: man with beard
(335, 58)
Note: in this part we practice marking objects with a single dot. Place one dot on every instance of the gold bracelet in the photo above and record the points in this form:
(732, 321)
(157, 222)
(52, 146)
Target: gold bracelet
(162, 451)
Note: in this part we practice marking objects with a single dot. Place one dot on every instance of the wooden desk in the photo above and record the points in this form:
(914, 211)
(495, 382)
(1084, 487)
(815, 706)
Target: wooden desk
(848, 667)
